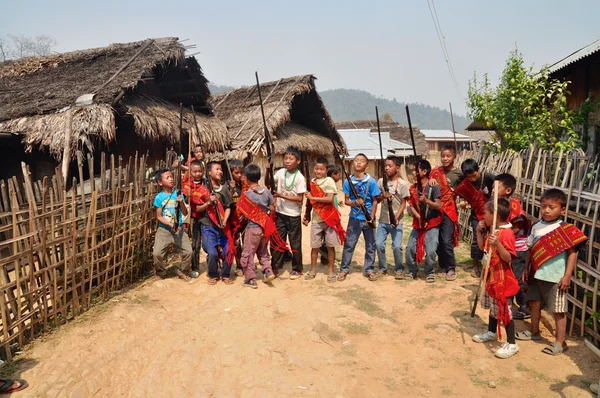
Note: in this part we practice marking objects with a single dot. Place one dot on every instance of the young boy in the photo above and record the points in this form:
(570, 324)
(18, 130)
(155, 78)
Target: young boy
(215, 235)
(398, 192)
(507, 184)
(423, 240)
(254, 204)
(501, 282)
(447, 176)
(367, 190)
(335, 173)
(475, 190)
(553, 246)
(326, 227)
(290, 189)
(235, 224)
(170, 229)
(194, 189)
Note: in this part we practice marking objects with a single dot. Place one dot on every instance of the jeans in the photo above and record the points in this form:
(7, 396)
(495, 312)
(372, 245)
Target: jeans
(431, 246)
(212, 237)
(290, 228)
(196, 244)
(383, 230)
(446, 245)
(355, 227)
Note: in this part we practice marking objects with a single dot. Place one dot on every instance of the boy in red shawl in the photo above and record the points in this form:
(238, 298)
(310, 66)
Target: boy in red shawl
(447, 176)
(194, 189)
(501, 283)
(236, 187)
(551, 262)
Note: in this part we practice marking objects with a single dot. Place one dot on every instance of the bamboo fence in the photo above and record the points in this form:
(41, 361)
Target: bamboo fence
(577, 175)
(62, 250)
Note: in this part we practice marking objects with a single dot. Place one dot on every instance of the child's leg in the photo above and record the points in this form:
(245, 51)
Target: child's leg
(183, 244)
(535, 308)
(518, 266)
(382, 233)
(331, 257)
(369, 236)
(556, 302)
(397, 247)
(431, 247)
(510, 332)
(352, 234)
(476, 253)
(209, 244)
(224, 243)
(411, 252)
(324, 254)
(252, 238)
(278, 257)
(314, 254)
(162, 240)
(561, 327)
(196, 245)
(295, 237)
(262, 251)
(317, 239)
(446, 245)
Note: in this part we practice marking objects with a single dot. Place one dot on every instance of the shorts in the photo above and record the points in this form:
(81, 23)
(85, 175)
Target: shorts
(554, 300)
(492, 305)
(321, 232)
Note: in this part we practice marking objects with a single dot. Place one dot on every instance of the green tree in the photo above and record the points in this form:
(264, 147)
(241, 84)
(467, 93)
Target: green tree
(526, 107)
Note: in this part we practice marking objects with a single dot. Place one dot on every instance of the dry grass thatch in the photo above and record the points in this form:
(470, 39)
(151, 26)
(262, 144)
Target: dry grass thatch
(294, 111)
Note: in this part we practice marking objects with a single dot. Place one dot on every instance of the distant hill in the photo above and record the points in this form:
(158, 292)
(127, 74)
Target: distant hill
(347, 105)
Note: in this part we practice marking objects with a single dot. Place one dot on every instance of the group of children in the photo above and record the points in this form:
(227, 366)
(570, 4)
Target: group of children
(530, 264)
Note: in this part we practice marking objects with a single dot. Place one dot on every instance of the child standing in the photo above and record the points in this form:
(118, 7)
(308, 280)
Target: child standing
(254, 205)
(423, 240)
(447, 176)
(552, 258)
(291, 186)
(326, 227)
(367, 190)
(335, 173)
(215, 213)
(475, 190)
(170, 229)
(194, 189)
(507, 184)
(397, 190)
(235, 224)
(501, 283)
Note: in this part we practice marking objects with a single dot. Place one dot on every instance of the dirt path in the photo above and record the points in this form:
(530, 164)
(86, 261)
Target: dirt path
(297, 338)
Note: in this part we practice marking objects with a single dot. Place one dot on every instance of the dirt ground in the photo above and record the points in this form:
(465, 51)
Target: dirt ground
(295, 338)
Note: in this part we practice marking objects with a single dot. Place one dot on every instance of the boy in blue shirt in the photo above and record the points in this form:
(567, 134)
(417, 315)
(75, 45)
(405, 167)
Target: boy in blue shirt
(170, 230)
(367, 190)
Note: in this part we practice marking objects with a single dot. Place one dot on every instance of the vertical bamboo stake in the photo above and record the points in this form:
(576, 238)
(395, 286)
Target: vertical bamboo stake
(74, 283)
(14, 207)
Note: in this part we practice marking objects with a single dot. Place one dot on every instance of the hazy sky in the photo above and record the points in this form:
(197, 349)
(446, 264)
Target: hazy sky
(388, 48)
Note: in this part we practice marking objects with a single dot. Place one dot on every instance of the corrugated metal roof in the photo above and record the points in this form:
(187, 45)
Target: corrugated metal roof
(576, 56)
(443, 134)
(367, 142)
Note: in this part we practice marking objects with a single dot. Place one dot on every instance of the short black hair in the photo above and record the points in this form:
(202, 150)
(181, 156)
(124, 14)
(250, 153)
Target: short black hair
(449, 147)
(236, 164)
(332, 169)
(210, 165)
(158, 175)
(197, 163)
(397, 161)
(322, 160)
(508, 180)
(425, 165)
(469, 166)
(555, 194)
(252, 172)
(292, 150)
(363, 155)
(199, 146)
(503, 207)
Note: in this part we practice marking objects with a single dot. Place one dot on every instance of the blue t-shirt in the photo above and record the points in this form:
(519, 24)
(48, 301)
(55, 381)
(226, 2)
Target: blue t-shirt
(167, 203)
(367, 189)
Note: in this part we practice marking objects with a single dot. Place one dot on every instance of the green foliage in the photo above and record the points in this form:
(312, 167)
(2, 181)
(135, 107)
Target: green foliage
(526, 107)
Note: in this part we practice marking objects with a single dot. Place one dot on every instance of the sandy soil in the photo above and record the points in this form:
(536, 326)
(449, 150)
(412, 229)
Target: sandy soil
(295, 338)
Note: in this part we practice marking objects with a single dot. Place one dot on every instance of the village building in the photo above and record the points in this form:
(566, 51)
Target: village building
(437, 139)
(480, 135)
(120, 99)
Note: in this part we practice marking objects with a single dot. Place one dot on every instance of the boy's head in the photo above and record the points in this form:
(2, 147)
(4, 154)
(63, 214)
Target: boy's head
(252, 172)
(553, 204)
(424, 168)
(334, 172)
(503, 211)
(507, 183)
(198, 152)
(470, 169)
(214, 171)
(392, 166)
(196, 170)
(237, 169)
(291, 158)
(320, 168)
(164, 178)
(360, 162)
(448, 154)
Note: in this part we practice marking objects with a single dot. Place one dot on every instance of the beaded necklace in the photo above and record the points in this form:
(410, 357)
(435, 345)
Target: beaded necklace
(291, 185)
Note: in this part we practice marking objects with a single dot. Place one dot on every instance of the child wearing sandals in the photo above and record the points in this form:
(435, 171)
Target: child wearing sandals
(550, 263)
(170, 230)
(501, 283)
(326, 224)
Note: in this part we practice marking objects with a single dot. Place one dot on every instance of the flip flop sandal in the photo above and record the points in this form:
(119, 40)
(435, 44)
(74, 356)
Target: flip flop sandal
(212, 281)
(184, 277)
(342, 276)
(409, 277)
(451, 276)
(6, 386)
(371, 276)
(430, 278)
(526, 335)
(520, 315)
(227, 281)
(331, 279)
(399, 276)
(309, 276)
(295, 275)
(553, 349)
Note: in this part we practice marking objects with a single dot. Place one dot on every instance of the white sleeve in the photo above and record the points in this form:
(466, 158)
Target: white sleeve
(300, 184)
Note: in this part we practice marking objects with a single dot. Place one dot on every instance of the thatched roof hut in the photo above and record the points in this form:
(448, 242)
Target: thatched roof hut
(294, 112)
(397, 132)
(135, 86)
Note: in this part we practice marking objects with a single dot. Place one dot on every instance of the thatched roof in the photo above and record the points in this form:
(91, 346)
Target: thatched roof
(294, 112)
(38, 94)
(397, 132)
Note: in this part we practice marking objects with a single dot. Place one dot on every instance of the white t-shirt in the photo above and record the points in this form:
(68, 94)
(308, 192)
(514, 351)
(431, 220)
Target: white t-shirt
(289, 184)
